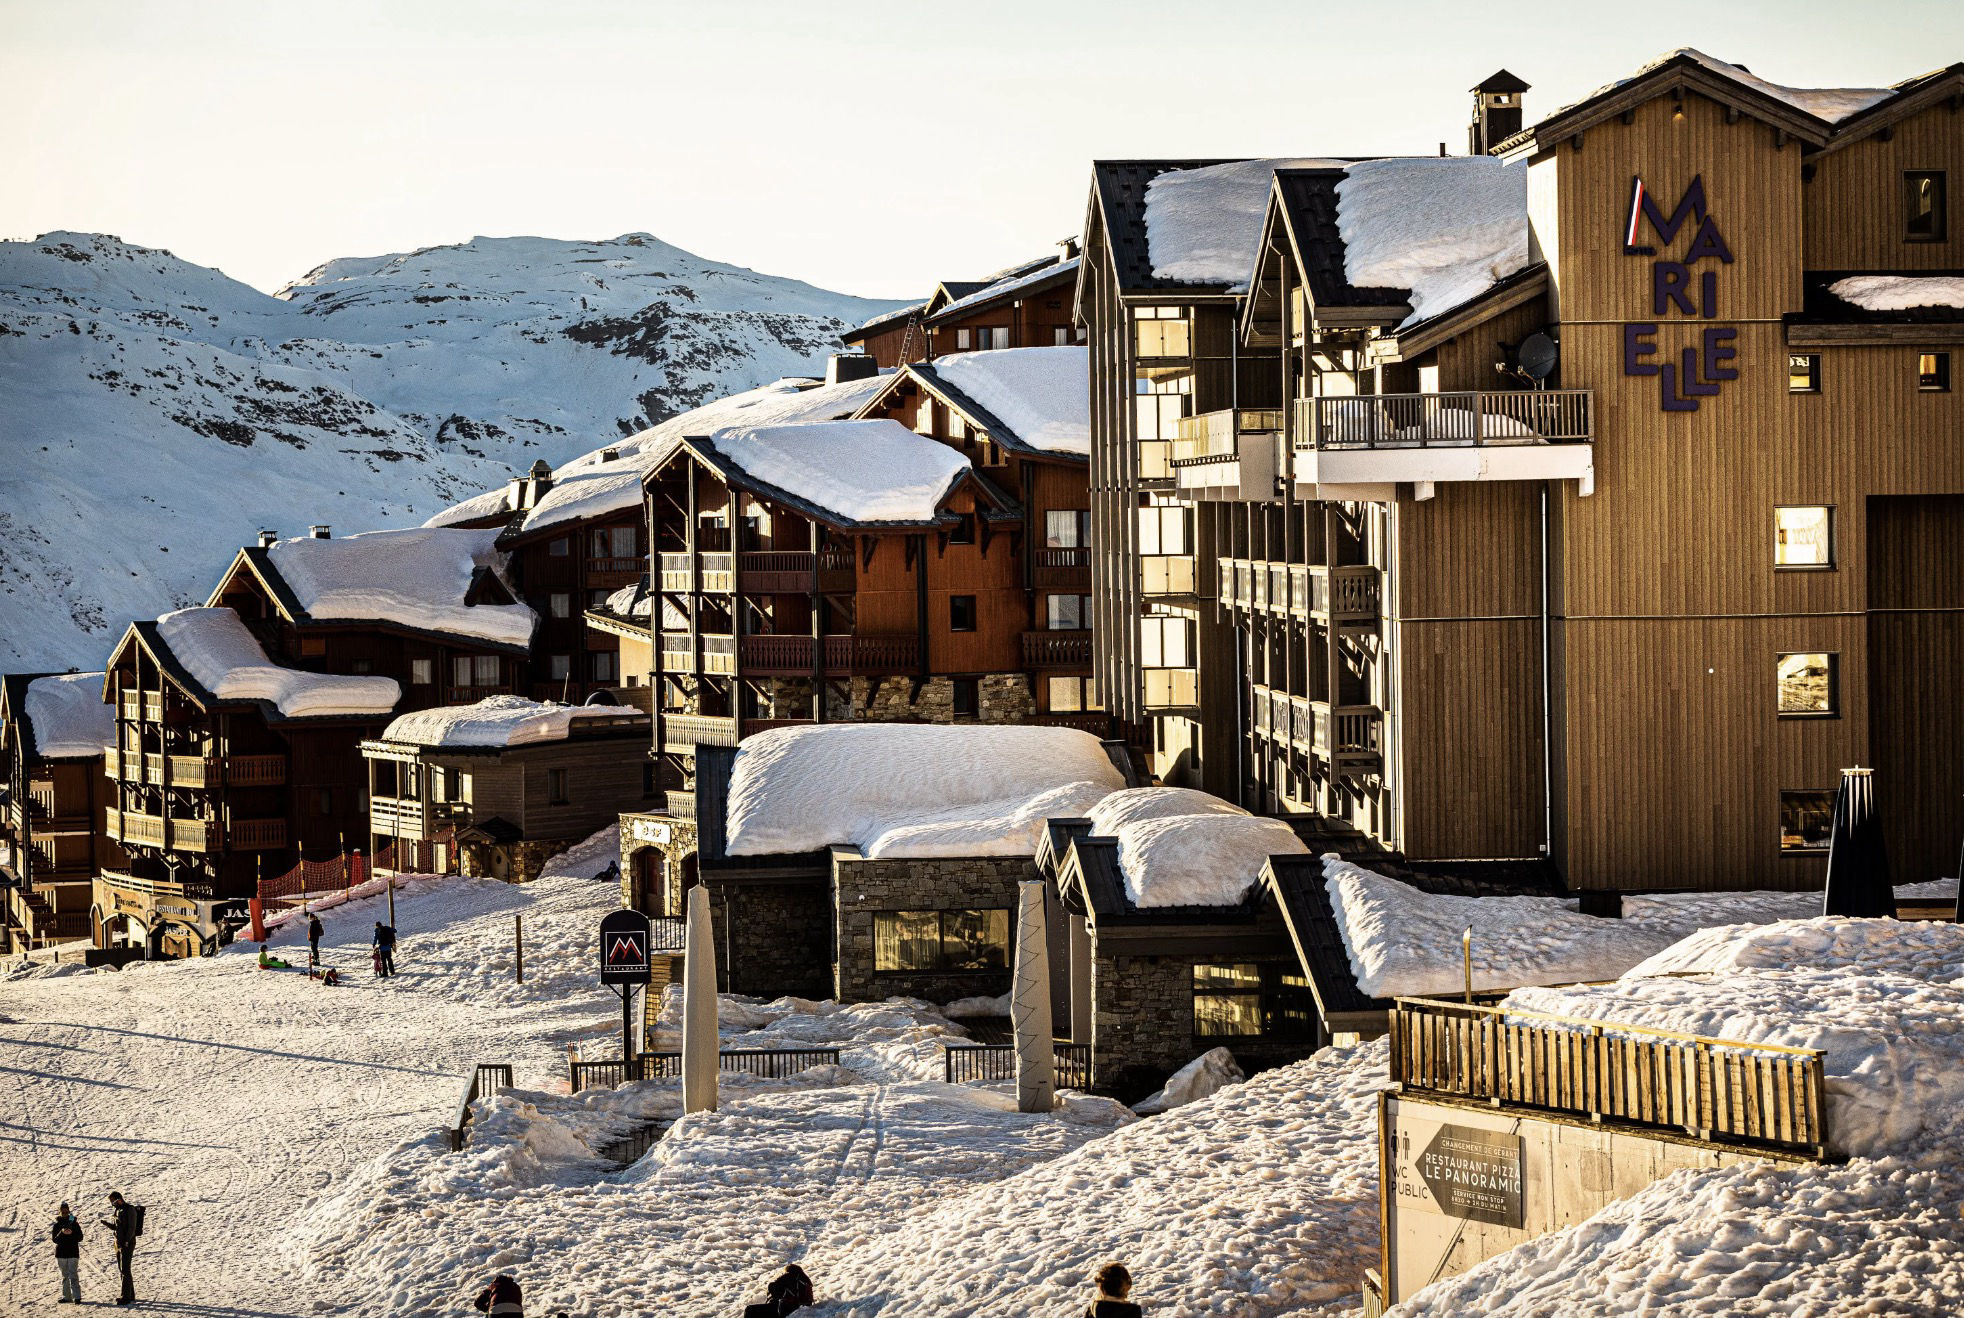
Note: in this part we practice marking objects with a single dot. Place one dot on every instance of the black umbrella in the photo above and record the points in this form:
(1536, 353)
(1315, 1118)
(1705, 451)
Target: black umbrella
(1858, 867)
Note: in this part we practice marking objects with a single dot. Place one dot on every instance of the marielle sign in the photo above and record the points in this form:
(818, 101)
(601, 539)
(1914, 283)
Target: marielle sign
(1680, 288)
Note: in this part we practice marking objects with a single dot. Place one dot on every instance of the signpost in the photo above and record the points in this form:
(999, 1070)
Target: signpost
(626, 963)
(1464, 1172)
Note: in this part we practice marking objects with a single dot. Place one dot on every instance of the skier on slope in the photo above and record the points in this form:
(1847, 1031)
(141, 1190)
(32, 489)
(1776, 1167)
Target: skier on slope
(67, 1235)
(502, 1298)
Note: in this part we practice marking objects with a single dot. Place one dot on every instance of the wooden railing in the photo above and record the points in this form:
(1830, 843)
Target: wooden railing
(1346, 736)
(718, 653)
(791, 656)
(257, 834)
(680, 804)
(1097, 722)
(685, 732)
(1061, 567)
(1481, 417)
(1057, 649)
(997, 1061)
(134, 827)
(668, 933)
(1715, 1089)
(197, 770)
(635, 566)
(1216, 436)
(150, 706)
(765, 1063)
(486, 1079)
(718, 572)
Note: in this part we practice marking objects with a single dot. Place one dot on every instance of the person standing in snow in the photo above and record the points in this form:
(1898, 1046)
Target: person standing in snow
(789, 1292)
(67, 1235)
(1114, 1290)
(124, 1225)
(385, 949)
(314, 932)
(502, 1298)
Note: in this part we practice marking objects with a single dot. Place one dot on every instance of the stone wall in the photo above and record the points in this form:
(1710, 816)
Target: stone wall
(773, 938)
(863, 887)
(1000, 698)
(674, 839)
(514, 862)
(1142, 1025)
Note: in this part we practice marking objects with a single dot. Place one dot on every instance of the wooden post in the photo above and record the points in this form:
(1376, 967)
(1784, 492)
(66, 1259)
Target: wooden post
(1466, 951)
(392, 899)
(347, 879)
(518, 942)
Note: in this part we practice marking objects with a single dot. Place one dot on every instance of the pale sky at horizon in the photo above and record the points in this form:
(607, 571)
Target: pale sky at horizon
(872, 150)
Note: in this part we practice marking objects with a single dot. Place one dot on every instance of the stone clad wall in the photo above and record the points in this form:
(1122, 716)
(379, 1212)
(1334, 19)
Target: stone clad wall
(1000, 698)
(773, 937)
(1142, 1025)
(865, 886)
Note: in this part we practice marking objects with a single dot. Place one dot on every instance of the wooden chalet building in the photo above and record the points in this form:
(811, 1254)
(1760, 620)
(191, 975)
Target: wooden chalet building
(1024, 306)
(1613, 560)
(53, 731)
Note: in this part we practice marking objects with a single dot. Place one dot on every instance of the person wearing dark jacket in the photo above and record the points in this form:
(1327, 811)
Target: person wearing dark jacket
(502, 1298)
(314, 932)
(1114, 1291)
(124, 1225)
(67, 1235)
(789, 1292)
(385, 949)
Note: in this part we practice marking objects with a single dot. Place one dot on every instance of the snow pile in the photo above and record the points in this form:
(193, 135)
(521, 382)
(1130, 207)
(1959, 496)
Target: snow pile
(1199, 860)
(874, 471)
(1209, 1073)
(1444, 228)
(1923, 949)
(415, 578)
(69, 716)
(850, 784)
(1005, 828)
(494, 721)
(1900, 292)
(1042, 394)
(897, 1040)
(222, 656)
(1202, 224)
(1136, 803)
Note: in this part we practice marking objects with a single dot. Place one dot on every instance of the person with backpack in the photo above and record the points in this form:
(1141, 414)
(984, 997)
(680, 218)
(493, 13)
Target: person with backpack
(127, 1225)
(67, 1235)
(502, 1298)
(314, 932)
(385, 949)
(1114, 1292)
(788, 1293)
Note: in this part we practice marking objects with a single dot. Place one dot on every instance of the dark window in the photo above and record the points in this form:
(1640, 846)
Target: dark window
(1933, 372)
(313, 645)
(603, 665)
(961, 613)
(556, 786)
(1806, 685)
(324, 801)
(1803, 372)
(559, 667)
(968, 697)
(560, 604)
(963, 532)
(559, 547)
(648, 778)
(362, 666)
(940, 942)
(484, 670)
(1924, 205)
(1806, 819)
(1252, 1000)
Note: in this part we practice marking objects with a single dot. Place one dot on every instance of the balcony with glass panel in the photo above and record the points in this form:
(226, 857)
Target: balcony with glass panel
(1364, 446)
(1232, 454)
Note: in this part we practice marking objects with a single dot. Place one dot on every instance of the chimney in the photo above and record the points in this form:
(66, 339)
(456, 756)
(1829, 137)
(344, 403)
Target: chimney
(267, 539)
(846, 366)
(1071, 249)
(610, 454)
(320, 532)
(1496, 112)
(537, 482)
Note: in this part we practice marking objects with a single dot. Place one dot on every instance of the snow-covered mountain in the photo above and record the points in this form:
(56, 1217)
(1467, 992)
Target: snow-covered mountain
(155, 414)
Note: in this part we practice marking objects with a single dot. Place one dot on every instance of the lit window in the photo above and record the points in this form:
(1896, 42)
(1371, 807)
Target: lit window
(1162, 332)
(1933, 372)
(1165, 642)
(924, 417)
(1806, 820)
(1807, 684)
(1924, 220)
(1803, 372)
(1070, 695)
(940, 942)
(1061, 337)
(1161, 396)
(1250, 1000)
(1163, 530)
(1803, 536)
(961, 613)
(1067, 613)
(961, 340)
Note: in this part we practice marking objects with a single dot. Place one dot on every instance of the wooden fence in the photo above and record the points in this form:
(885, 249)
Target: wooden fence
(997, 1061)
(1756, 1094)
(765, 1063)
(486, 1079)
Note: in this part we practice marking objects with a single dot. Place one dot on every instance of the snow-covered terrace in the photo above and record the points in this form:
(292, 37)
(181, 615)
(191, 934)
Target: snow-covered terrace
(420, 578)
(68, 717)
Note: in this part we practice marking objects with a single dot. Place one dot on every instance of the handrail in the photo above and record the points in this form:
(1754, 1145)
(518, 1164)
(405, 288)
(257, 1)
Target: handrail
(1456, 419)
(499, 1076)
(1515, 1013)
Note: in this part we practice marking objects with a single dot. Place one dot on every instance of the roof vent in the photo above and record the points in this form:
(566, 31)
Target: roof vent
(845, 366)
(267, 539)
(541, 470)
(610, 454)
(319, 532)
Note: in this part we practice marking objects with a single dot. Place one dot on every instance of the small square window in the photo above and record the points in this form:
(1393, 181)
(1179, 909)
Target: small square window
(1924, 204)
(968, 697)
(1933, 372)
(961, 340)
(1803, 372)
(556, 786)
(560, 604)
(363, 666)
(1803, 536)
(603, 665)
(422, 672)
(1806, 820)
(559, 547)
(1062, 337)
(313, 646)
(961, 613)
(1807, 685)
(559, 667)
(963, 532)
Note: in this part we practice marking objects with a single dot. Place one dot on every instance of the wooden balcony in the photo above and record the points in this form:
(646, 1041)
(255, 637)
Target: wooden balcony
(144, 707)
(864, 656)
(197, 770)
(1363, 446)
(718, 573)
(396, 818)
(1057, 649)
(682, 733)
(791, 571)
(135, 829)
(1345, 596)
(1057, 568)
(718, 653)
(1231, 454)
(1347, 738)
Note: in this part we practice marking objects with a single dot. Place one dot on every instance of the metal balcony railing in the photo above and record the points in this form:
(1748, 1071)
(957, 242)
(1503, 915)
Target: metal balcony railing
(1455, 420)
(1217, 436)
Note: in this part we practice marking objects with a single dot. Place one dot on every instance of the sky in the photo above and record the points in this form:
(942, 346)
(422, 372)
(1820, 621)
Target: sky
(872, 148)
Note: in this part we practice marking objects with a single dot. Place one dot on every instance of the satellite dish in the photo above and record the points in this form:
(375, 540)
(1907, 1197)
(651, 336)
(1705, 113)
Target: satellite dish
(1538, 356)
(603, 697)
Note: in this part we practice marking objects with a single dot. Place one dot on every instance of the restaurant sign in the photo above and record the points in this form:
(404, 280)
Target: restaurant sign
(1680, 288)
(1464, 1172)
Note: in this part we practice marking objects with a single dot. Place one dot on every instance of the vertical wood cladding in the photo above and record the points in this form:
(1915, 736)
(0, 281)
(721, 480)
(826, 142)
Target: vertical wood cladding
(1854, 203)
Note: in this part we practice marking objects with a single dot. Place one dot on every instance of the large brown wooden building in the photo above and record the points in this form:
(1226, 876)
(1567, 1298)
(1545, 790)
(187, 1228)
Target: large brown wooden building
(1615, 558)
(53, 730)
(1025, 306)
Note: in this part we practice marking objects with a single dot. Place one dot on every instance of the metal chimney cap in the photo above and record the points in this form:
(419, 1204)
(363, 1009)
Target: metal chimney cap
(321, 532)
(267, 539)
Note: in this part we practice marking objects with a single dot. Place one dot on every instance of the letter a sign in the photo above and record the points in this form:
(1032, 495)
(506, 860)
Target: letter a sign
(624, 944)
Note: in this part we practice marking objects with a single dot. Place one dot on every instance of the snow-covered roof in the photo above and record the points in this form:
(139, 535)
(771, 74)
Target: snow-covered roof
(1199, 859)
(872, 472)
(496, 721)
(1043, 395)
(1137, 803)
(1202, 225)
(68, 715)
(898, 313)
(1829, 104)
(595, 485)
(1446, 228)
(214, 647)
(1021, 278)
(416, 578)
(910, 789)
(1900, 292)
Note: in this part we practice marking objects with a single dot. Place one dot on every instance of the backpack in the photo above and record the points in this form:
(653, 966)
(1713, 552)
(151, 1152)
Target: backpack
(136, 1219)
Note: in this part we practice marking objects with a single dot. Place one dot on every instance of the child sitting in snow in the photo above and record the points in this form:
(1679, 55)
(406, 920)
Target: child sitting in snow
(330, 977)
(271, 962)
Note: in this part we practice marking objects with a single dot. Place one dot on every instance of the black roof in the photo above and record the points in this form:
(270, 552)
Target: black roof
(1820, 305)
(713, 767)
(1121, 192)
(1297, 882)
(1018, 282)
(1308, 198)
(1502, 81)
(496, 830)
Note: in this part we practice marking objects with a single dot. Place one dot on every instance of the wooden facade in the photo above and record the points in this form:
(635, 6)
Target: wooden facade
(53, 825)
(1024, 306)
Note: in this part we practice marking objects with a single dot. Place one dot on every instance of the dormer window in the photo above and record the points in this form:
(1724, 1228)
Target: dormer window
(1924, 220)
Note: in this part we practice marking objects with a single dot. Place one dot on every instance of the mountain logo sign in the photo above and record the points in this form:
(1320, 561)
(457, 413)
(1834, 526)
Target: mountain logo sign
(624, 948)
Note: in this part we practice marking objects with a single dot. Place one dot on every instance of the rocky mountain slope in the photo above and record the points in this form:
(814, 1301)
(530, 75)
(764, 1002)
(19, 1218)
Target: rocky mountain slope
(155, 414)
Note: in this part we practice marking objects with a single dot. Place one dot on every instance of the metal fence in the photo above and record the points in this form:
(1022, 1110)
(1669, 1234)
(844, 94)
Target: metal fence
(765, 1063)
(486, 1079)
(997, 1061)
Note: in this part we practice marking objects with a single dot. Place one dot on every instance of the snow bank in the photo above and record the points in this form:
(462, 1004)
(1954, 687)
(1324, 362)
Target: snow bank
(1199, 860)
(494, 721)
(850, 784)
(1209, 1073)
(860, 471)
(222, 656)
(1202, 224)
(1137, 803)
(69, 715)
(416, 578)
(1923, 949)
(1445, 228)
(1042, 394)
(1900, 292)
